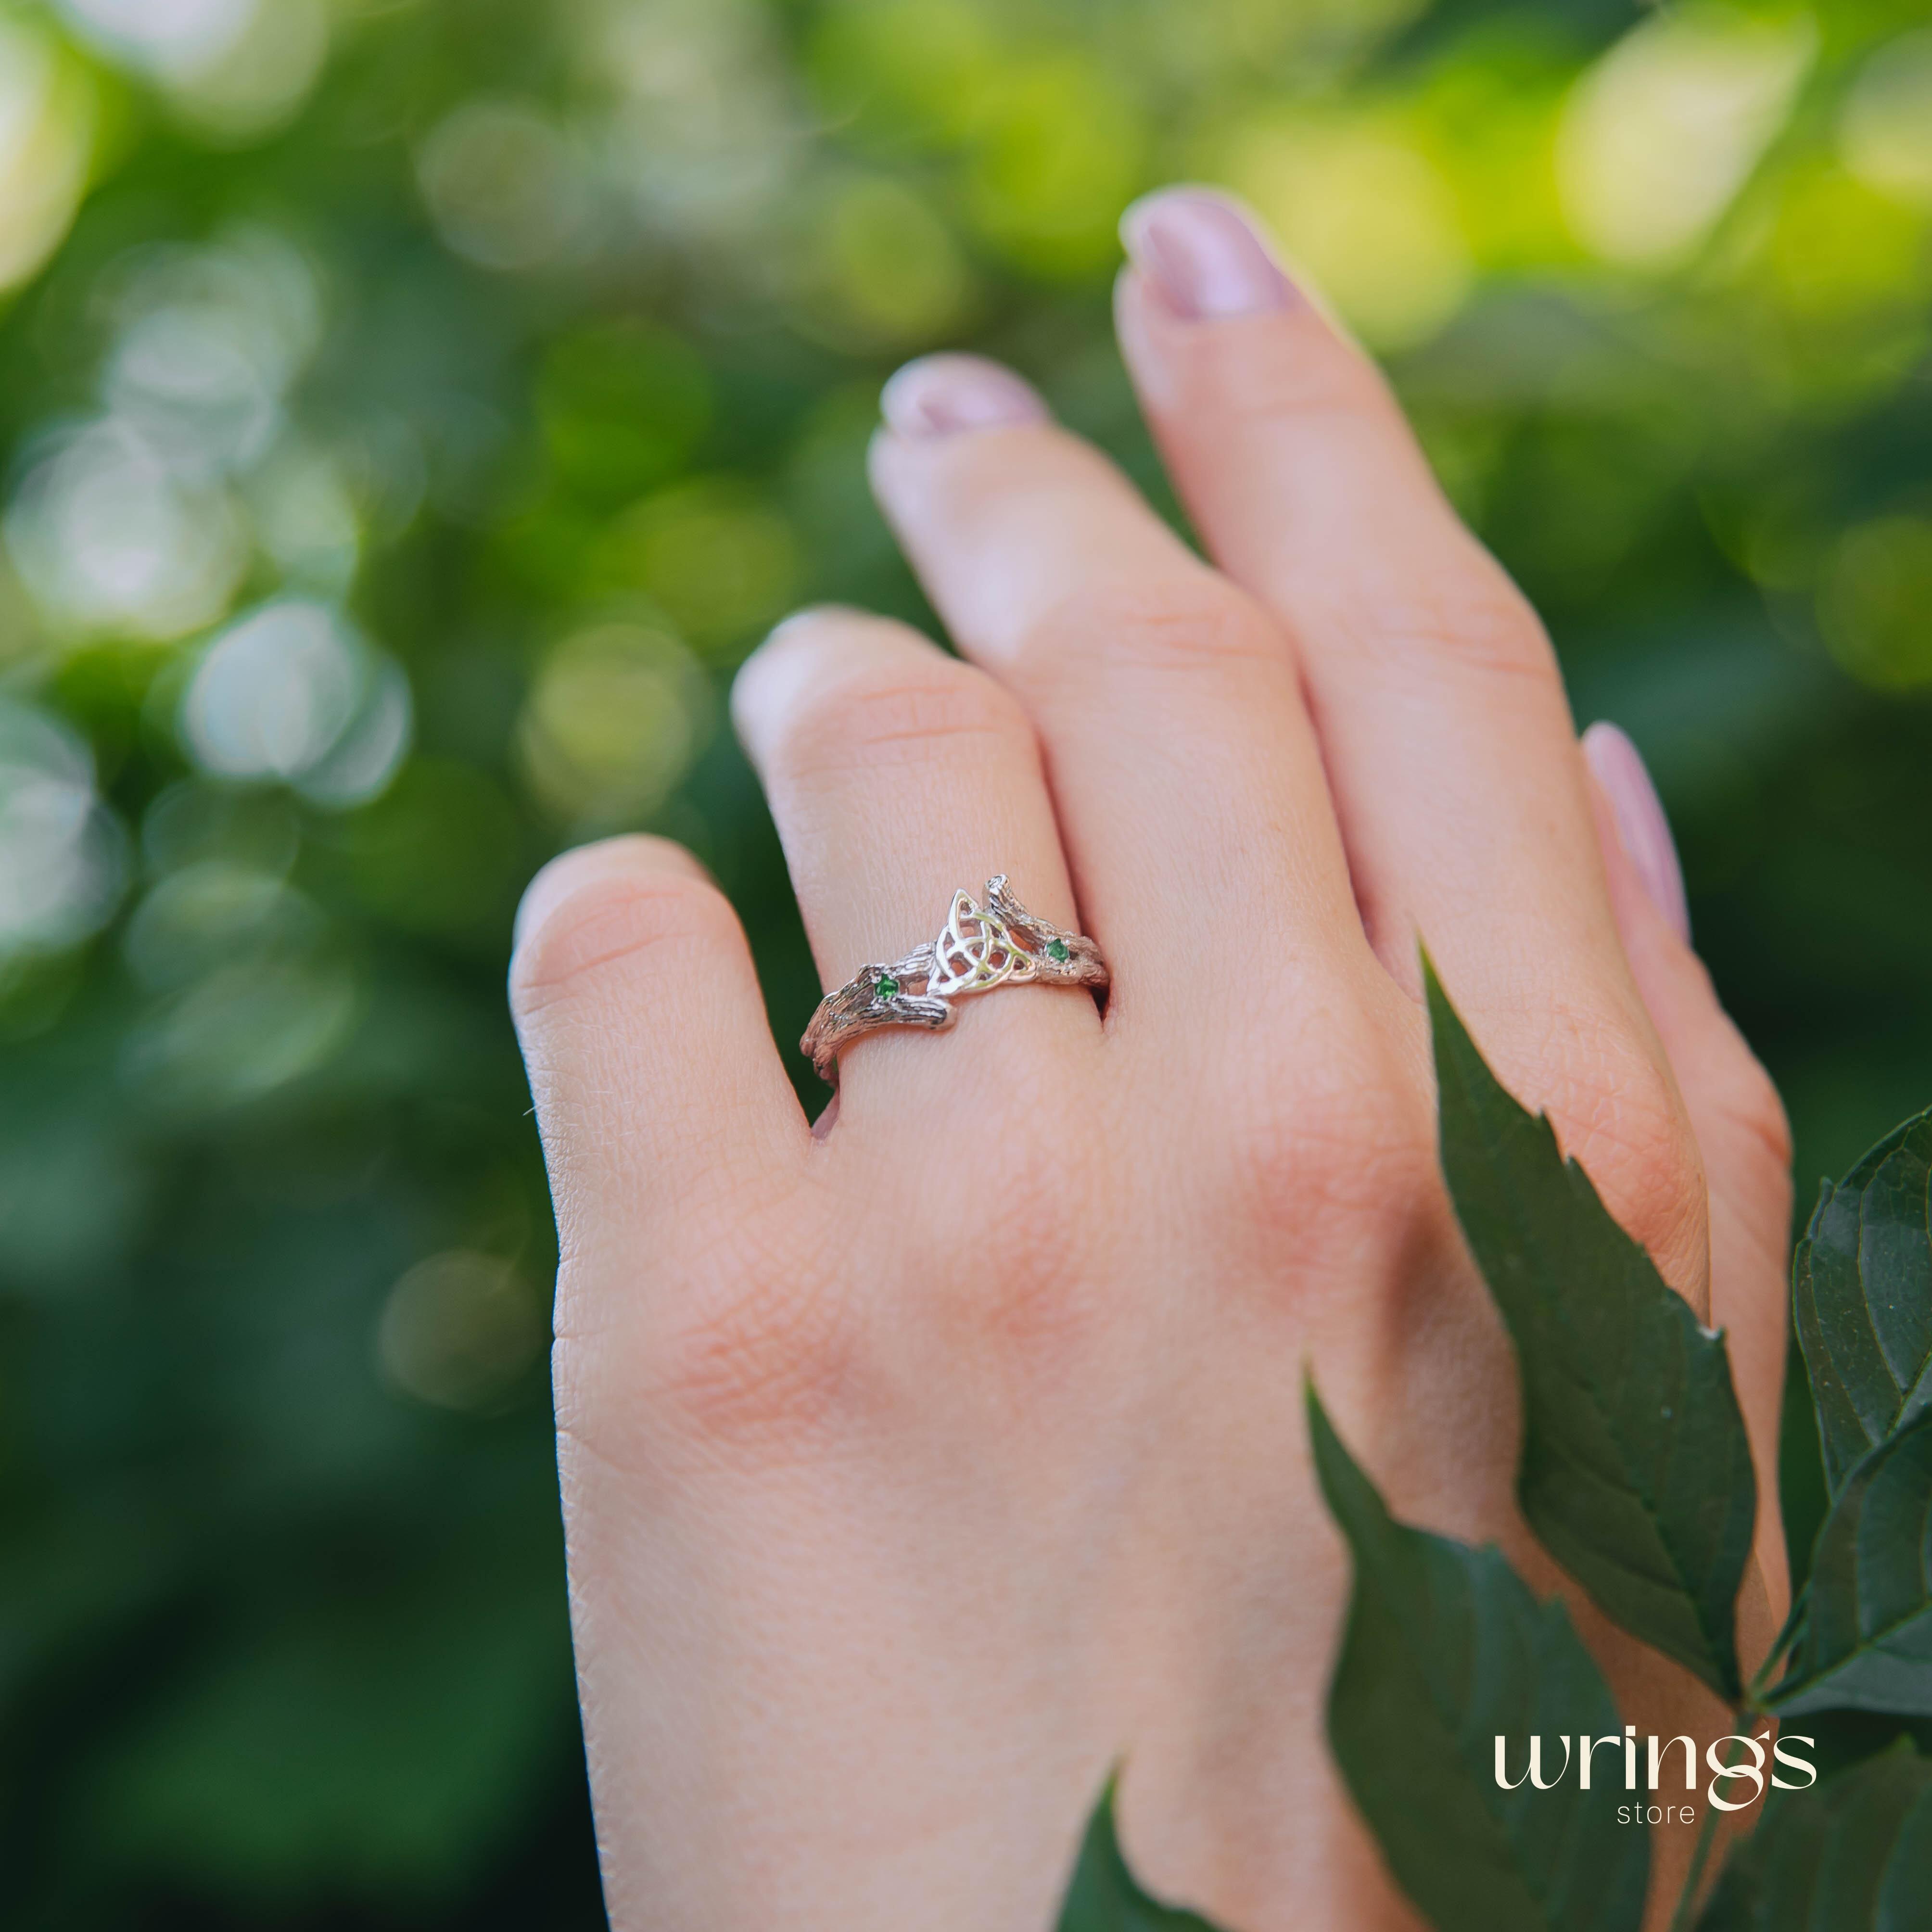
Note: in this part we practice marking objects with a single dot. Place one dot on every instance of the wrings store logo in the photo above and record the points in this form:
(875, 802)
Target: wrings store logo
(1728, 1773)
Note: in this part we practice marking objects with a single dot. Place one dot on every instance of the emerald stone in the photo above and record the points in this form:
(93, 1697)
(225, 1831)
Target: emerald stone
(888, 987)
(1056, 949)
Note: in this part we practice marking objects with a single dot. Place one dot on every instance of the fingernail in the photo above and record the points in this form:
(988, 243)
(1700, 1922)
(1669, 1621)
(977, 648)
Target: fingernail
(1641, 824)
(939, 395)
(561, 876)
(808, 614)
(1205, 254)
(553, 881)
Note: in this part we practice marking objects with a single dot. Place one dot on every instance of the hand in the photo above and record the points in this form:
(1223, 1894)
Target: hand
(919, 1466)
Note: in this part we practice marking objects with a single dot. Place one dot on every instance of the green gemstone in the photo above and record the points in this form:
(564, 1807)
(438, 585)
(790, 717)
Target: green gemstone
(1056, 949)
(888, 987)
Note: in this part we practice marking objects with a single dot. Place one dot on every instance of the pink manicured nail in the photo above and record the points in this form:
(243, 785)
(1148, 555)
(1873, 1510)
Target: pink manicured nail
(1205, 253)
(1641, 824)
(939, 395)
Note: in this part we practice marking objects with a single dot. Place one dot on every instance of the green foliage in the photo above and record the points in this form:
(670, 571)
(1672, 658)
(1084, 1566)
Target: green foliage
(1861, 1282)
(1864, 1640)
(1858, 1852)
(1446, 1650)
(1104, 1896)
(1636, 1472)
(1855, 1855)
(1860, 1635)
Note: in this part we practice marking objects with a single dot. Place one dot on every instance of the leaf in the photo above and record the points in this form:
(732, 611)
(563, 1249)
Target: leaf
(1861, 1293)
(1854, 1855)
(1105, 1896)
(1446, 1650)
(1635, 1471)
(1866, 1643)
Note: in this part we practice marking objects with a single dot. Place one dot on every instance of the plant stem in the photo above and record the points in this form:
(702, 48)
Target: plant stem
(1707, 1836)
(1786, 1637)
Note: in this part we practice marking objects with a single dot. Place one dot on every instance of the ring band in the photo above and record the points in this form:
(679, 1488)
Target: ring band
(981, 946)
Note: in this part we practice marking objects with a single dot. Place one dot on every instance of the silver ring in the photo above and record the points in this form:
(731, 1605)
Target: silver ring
(999, 943)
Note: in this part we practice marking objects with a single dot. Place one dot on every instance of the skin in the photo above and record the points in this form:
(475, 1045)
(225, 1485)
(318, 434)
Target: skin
(919, 1465)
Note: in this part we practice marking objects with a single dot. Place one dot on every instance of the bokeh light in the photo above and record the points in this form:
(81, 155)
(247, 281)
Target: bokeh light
(126, 522)
(876, 268)
(108, 535)
(291, 691)
(718, 558)
(46, 124)
(207, 914)
(234, 69)
(614, 719)
(1875, 601)
(61, 852)
(704, 131)
(170, 36)
(240, 1032)
(1365, 215)
(1886, 130)
(505, 188)
(209, 341)
(1663, 130)
(459, 1329)
(1056, 150)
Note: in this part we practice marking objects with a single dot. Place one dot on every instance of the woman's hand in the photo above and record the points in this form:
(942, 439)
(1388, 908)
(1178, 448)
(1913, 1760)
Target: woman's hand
(919, 1467)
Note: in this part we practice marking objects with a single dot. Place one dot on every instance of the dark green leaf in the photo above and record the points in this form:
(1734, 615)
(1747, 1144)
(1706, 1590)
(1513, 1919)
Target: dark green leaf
(1446, 1651)
(1853, 1855)
(1862, 1292)
(1844, 1738)
(1636, 1472)
(1105, 1895)
(1866, 1643)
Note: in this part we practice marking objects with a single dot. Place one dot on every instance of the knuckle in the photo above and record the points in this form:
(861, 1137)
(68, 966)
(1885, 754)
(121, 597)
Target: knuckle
(1734, 1104)
(1745, 1109)
(761, 1367)
(1460, 612)
(1181, 619)
(1319, 1150)
(752, 1350)
(1298, 384)
(865, 721)
(1618, 1114)
(733, 1346)
(1029, 1299)
(1751, 1101)
(605, 922)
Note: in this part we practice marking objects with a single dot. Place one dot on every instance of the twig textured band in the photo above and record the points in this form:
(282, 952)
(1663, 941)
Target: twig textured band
(981, 946)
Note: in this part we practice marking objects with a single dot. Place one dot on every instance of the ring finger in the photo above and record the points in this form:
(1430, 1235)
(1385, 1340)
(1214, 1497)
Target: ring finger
(897, 775)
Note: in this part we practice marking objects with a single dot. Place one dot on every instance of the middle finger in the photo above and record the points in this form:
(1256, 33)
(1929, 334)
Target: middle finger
(1185, 772)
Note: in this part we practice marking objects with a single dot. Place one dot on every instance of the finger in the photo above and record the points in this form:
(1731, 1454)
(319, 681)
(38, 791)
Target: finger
(1734, 1110)
(898, 775)
(1449, 742)
(1183, 769)
(657, 1084)
(1445, 729)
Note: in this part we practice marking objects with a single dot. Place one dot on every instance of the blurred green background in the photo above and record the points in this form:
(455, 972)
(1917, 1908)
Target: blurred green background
(415, 408)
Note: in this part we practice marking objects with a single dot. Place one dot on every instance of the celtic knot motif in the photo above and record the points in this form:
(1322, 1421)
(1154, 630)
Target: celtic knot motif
(976, 949)
(983, 944)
